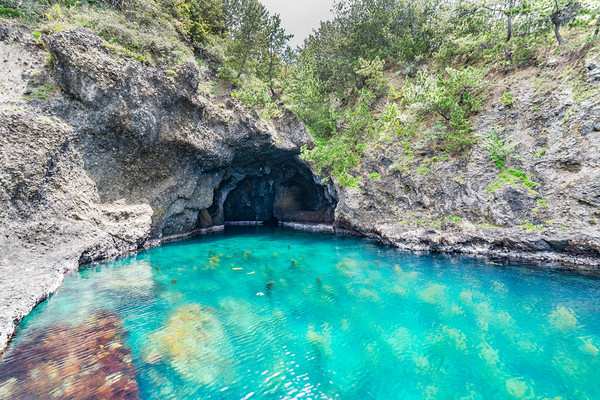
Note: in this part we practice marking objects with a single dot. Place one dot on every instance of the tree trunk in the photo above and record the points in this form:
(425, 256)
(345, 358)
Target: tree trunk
(557, 33)
(270, 74)
(509, 27)
(242, 67)
(556, 19)
(507, 52)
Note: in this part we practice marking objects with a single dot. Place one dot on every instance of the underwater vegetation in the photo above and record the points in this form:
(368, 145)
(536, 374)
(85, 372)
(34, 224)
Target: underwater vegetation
(285, 314)
(320, 339)
(563, 319)
(192, 342)
(87, 361)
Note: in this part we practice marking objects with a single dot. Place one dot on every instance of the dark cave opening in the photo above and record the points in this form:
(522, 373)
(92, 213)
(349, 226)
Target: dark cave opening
(283, 194)
(253, 199)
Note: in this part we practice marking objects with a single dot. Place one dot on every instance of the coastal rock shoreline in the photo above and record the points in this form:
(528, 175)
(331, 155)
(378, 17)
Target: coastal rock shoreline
(103, 157)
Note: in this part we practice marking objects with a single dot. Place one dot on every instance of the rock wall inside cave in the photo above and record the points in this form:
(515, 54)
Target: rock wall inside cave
(286, 193)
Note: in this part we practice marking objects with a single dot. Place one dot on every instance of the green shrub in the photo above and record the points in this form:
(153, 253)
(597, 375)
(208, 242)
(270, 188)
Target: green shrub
(360, 120)
(144, 29)
(499, 148)
(255, 93)
(375, 176)
(513, 177)
(507, 99)
(306, 97)
(42, 92)
(423, 170)
(371, 73)
(150, 28)
(452, 96)
(453, 219)
(542, 203)
(540, 153)
(8, 12)
(337, 155)
(198, 20)
(340, 153)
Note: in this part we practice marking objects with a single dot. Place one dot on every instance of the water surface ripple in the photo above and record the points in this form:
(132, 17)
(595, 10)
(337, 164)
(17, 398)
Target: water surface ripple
(279, 314)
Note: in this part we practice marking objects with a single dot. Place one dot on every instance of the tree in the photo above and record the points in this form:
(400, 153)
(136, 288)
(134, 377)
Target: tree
(563, 13)
(247, 20)
(276, 41)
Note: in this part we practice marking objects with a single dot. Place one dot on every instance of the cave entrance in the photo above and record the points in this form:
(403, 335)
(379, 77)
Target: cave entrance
(286, 195)
(253, 199)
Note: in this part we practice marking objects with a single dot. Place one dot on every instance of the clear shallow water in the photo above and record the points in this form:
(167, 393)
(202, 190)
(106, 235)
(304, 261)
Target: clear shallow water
(263, 313)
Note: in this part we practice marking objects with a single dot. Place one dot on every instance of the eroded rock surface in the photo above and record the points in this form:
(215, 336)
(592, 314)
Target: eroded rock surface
(109, 155)
(101, 155)
(426, 201)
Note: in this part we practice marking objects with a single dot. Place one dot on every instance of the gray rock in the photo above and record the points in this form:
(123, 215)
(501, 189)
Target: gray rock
(128, 158)
(553, 62)
(592, 69)
(464, 204)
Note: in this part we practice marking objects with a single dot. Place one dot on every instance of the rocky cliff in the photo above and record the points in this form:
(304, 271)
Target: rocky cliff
(101, 156)
(543, 204)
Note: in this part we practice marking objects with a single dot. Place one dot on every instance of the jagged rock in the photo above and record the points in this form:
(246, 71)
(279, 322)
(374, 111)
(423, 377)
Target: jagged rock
(555, 220)
(128, 156)
(593, 70)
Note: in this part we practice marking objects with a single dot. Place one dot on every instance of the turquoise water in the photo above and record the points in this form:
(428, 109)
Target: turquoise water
(274, 313)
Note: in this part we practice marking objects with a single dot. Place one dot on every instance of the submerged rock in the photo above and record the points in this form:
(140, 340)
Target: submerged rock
(87, 361)
(194, 343)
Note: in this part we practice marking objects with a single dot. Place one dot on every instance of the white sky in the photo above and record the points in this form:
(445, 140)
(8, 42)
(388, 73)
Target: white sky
(300, 17)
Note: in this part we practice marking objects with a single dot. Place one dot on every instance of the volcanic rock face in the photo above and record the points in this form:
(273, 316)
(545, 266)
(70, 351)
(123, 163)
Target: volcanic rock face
(110, 155)
(127, 156)
(467, 204)
(148, 138)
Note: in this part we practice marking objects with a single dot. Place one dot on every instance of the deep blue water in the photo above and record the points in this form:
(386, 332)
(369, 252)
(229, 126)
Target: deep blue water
(275, 313)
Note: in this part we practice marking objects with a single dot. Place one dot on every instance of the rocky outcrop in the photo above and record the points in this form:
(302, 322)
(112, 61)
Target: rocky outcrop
(543, 206)
(101, 155)
(105, 155)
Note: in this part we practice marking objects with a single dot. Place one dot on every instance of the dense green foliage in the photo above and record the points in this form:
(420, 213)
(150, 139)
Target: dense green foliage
(402, 71)
(8, 12)
(440, 49)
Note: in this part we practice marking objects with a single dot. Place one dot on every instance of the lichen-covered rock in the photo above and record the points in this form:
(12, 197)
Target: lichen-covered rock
(593, 70)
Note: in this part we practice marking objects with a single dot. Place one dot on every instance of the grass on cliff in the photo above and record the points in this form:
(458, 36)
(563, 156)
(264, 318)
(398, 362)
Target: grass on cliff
(145, 30)
(408, 76)
(239, 43)
(436, 64)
